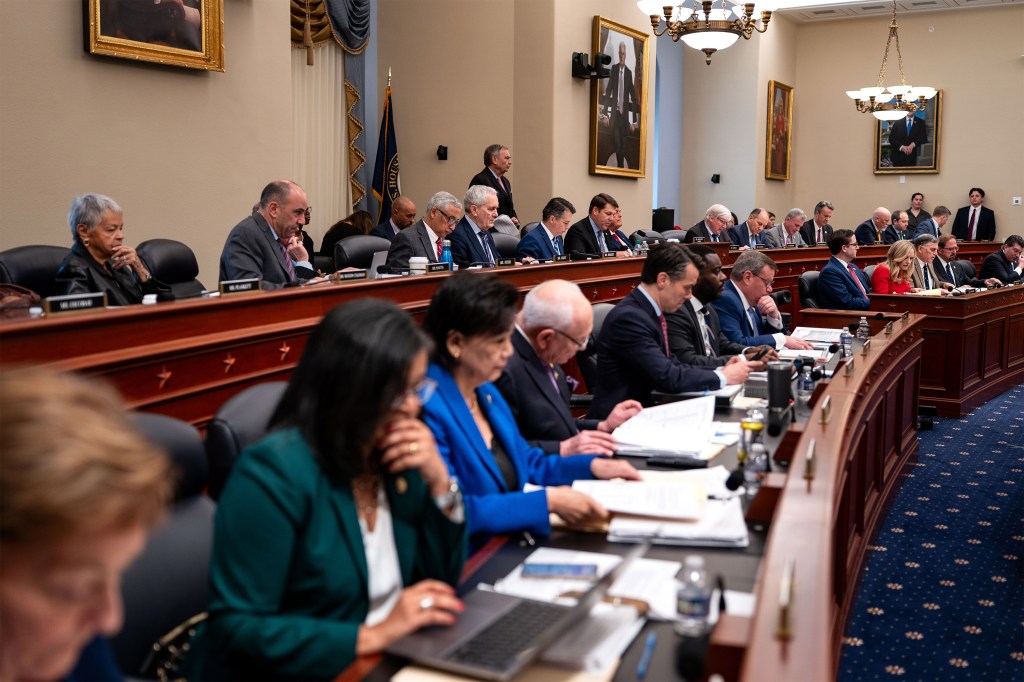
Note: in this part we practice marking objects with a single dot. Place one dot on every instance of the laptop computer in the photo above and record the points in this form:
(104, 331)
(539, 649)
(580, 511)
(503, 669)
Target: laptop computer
(498, 634)
(379, 258)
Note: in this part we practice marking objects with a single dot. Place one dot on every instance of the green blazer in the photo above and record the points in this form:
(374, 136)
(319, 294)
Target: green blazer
(288, 574)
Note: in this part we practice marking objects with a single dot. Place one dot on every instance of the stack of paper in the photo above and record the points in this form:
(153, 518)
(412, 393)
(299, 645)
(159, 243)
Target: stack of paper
(679, 428)
(666, 499)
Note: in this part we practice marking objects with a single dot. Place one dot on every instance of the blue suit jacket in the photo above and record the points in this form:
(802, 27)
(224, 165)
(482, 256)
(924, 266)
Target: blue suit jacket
(927, 226)
(536, 244)
(740, 235)
(837, 290)
(631, 360)
(891, 235)
(466, 247)
(736, 323)
(491, 508)
(384, 230)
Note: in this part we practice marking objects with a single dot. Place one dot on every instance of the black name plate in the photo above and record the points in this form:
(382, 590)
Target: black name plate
(439, 267)
(240, 286)
(75, 303)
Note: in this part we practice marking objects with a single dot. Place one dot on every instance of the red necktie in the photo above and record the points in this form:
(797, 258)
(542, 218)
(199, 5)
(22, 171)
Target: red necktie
(860, 285)
(664, 332)
(970, 225)
(440, 247)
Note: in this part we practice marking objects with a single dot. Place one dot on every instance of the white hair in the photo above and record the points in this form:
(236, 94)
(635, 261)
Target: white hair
(548, 306)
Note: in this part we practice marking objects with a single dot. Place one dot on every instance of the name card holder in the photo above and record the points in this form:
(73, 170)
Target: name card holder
(438, 267)
(790, 245)
(75, 303)
(241, 286)
(346, 275)
(505, 262)
(698, 240)
(560, 258)
(760, 246)
(608, 254)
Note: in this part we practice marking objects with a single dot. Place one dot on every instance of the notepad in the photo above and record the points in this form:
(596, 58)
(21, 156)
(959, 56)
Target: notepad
(677, 428)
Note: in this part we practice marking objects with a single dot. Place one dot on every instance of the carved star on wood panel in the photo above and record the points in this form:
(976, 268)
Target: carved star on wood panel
(285, 349)
(229, 363)
(164, 376)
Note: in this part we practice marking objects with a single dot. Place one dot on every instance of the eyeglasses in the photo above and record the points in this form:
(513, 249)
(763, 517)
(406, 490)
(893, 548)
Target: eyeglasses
(767, 282)
(451, 220)
(580, 345)
(309, 214)
(423, 392)
(854, 245)
(952, 249)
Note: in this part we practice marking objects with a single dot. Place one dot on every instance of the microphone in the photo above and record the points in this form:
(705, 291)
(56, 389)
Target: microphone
(735, 479)
(834, 348)
(582, 255)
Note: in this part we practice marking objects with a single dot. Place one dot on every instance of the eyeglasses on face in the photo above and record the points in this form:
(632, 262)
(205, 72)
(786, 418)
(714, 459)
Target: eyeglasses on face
(423, 392)
(580, 345)
(450, 219)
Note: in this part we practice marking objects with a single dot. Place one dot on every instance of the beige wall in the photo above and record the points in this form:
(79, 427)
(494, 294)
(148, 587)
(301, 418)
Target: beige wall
(184, 152)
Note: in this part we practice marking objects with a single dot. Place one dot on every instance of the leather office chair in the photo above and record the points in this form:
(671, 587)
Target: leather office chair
(506, 244)
(322, 263)
(869, 271)
(239, 423)
(649, 236)
(357, 251)
(169, 582)
(968, 268)
(527, 229)
(674, 234)
(586, 359)
(32, 267)
(807, 288)
(172, 263)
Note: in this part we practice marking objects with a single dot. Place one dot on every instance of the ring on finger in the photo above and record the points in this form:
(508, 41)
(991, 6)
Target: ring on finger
(413, 447)
(426, 603)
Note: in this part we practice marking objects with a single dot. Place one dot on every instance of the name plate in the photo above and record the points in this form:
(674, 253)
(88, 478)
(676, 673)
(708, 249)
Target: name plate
(608, 254)
(505, 262)
(560, 257)
(345, 275)
(75, 303)
(789, 246)
(760, 246)
(734, 247)
(698, 240)
(439, 267)
(241, 286)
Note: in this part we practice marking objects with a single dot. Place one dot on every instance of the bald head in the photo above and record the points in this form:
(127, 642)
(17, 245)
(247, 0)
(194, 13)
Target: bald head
(557, 318)
(881, 217)
(403, 212)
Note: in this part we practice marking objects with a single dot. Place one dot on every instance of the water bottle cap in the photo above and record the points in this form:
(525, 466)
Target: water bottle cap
(694, 561)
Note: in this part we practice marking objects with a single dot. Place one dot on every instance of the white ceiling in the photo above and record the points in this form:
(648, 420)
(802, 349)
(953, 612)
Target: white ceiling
(802, 11)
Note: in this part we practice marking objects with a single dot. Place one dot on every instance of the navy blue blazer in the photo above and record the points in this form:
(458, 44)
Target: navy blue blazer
(740, 235)
(466, 247)
(735, 322)
(891, 235)
(927, 226)
(384, 230)
(536, 244)
(491, 508)
(996, 265)
(867, 233)
(581, 239)
(837, 290)
(631, 359)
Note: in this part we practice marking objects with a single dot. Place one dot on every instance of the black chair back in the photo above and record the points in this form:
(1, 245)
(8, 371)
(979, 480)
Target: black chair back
(968, 267)
(357, 251)
(239, 423)
(172, 263)
(506, 244)
(870, 270)
(33, 267)
(586, 359)
(527, 229)
(674, 234)
(807, 288)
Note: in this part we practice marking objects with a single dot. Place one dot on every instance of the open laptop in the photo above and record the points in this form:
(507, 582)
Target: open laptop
(498, 634)
(379, 258)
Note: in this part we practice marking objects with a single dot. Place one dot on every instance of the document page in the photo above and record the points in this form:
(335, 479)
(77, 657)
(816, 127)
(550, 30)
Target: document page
(682, 427)
(820, 334)
(662, 499)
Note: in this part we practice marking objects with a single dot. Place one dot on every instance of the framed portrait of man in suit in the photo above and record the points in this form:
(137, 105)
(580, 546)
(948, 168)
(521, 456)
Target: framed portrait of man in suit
(187, 33)
(779, 137)
(910, 144)
(618, 117)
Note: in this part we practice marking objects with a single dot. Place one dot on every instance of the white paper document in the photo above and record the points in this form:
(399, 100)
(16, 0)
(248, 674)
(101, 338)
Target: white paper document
(682, 427)
(821, 334)
(721, 525)
(668, 499)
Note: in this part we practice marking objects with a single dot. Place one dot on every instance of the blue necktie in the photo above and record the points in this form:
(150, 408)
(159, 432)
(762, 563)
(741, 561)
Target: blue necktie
(910, 122)
(752, 314)
(557, 243)
(485, 237)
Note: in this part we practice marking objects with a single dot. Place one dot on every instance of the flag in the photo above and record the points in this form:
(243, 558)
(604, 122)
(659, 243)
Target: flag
(386, 186)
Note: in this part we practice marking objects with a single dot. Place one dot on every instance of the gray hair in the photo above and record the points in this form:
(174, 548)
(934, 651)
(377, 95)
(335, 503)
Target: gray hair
(492, 151)
(717, 211)
(941, 210)
(795, 213)
(277, 191)
(440, 200)
(477, 195)
(823, 204)
(88, 210)
(553, 310)
(923, 239)
(753, 262)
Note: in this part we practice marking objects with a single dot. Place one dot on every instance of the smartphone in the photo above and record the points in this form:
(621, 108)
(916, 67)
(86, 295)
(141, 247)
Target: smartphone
(564, 571)
(760, 354)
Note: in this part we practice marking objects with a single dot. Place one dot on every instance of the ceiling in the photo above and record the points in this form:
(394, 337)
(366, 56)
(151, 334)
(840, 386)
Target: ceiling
(802, 11)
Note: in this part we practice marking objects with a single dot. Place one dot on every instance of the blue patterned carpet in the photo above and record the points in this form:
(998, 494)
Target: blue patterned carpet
(942, 596)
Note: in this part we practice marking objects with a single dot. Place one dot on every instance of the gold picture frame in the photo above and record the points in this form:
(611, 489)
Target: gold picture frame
(779, 135)
(925, 155)
(188, 33)
(618, 130)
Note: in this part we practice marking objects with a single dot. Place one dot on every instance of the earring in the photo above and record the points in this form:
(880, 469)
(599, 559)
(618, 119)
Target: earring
(455, 354)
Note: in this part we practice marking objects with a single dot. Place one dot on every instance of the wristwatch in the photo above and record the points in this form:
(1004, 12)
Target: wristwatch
(450, 499)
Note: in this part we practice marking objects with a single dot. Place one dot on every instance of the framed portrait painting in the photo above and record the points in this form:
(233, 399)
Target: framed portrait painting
(911, 144)
(778, 144)
(618, 112)
(187, 33)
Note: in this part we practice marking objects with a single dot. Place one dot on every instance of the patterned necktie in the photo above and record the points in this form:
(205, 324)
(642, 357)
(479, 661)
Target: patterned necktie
(664, 333)
(752, 318)
(440, 248)
(709, 344)
(557, 243)
(554, 380)
(949, 273)
(485, 239)
(287, 259)
(860, 285)
(927, 277)
(606, 239)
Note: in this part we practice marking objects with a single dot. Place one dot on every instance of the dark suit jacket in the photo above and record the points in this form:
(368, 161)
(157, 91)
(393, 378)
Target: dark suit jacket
(891, 235)
(986, 227)
(740, 235)
(611, 95)
(917, 276)
(504, 190)
(491, 508)
(735, 322)
(686, 341)
(959, 276)
(867, 233)
(412, 241)
(537, 244)
(542, 414)
(580, 239)
(837, 290)
(288, 573)
(899, 137)
(927, 226)
(250, 251)
(467, 249)
(80, 274)
(385, 230)
(701, 230)
(631, 360)
(996, 265)
(807, 232)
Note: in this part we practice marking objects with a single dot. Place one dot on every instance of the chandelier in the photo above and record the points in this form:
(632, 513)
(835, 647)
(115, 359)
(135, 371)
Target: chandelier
(706, 25)
(895, 101)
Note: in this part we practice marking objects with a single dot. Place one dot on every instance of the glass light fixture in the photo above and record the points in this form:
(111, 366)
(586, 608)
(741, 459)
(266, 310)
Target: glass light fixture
(707, 25)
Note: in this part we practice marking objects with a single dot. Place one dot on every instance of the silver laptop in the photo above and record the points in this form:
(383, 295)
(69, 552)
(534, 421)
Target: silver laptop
(378, 260)
(498, 634)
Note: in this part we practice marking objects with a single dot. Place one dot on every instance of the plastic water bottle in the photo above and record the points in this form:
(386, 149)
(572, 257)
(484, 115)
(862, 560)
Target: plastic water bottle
(863, 329)
(755, 469)
(845, 343)
(642, 248)
(805, 387)
(446, 253)
(693, 600)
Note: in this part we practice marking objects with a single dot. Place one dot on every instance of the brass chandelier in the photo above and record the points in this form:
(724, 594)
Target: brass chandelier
(706, 25)
(894, 102)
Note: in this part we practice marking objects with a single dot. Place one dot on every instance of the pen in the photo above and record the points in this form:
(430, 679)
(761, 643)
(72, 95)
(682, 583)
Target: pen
(645, 658)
